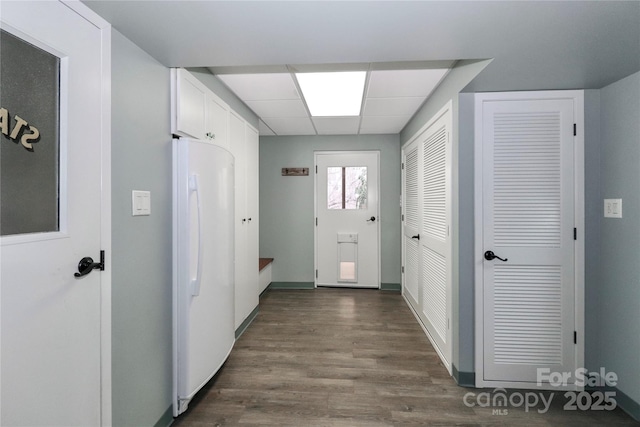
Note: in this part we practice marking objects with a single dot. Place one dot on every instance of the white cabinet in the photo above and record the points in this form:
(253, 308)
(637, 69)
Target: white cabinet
(216, 120)
(244, 146)
(198, 112)
(189, 101)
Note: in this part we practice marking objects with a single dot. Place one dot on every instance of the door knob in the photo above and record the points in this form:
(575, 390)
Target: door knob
(372, 219)
(489, 256)
(417, 237)
(86, 265)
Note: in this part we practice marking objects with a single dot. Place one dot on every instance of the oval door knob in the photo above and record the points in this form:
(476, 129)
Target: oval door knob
(490, 256)
(86, 265)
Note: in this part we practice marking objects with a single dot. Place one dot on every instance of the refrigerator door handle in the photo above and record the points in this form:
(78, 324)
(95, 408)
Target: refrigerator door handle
(194, 188)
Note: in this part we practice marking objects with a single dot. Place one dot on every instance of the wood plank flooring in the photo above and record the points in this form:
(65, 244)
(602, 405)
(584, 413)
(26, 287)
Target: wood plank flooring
(350, 357)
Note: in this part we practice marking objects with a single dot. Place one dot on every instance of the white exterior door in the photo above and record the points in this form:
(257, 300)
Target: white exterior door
(529, 210)
(347, 220)
(426, 201)
(54, 347)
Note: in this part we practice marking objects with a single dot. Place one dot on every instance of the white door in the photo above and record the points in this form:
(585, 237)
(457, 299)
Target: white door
(427, 278)
(528, 194)
(411, 224)
(347, 219)
(252, 153)
(242, 277)
(51, 320)
(244, 146)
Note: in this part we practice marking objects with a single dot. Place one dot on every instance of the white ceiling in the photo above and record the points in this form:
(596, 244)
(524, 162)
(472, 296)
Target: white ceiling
(391, 98)
(533, 45)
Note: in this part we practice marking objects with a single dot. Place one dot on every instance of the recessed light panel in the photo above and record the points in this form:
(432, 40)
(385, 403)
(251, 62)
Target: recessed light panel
(333, 94)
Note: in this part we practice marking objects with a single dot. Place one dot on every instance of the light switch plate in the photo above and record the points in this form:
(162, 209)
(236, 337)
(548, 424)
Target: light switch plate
(140, 203)
(613, 208)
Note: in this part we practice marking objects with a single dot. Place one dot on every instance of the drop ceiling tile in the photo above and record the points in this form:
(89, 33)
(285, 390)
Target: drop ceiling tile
(399, 83)
(291, 125)
(337, 125)
(264, 130)
(278, 108)
(392, 106)
(383, 124)
(254, 87)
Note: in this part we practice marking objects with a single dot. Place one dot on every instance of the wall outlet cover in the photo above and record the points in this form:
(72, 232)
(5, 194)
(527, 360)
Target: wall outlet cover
(140, 202)
(613, 208)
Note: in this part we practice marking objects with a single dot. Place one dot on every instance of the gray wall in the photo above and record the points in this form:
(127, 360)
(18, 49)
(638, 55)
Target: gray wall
(618, 308)
(141, 287)
(462, 200)
(593, 214)
(286, 203)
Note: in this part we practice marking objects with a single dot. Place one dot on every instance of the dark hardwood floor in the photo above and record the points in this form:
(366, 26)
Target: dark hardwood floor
(351, 357)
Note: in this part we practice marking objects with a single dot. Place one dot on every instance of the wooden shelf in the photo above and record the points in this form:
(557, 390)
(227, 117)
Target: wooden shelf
(264, 262)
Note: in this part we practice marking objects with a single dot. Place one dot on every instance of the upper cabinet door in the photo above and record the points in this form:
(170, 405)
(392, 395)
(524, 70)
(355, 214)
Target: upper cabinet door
(190, 106)
(217, 121)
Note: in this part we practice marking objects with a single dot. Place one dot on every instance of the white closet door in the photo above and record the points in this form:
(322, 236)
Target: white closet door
(528, 215)
(435, 240)
(426, 229)
(410, 229)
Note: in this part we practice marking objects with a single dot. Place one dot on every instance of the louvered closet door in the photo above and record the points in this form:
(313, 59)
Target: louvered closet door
(528, 217)
(411, 224)
(435, 241)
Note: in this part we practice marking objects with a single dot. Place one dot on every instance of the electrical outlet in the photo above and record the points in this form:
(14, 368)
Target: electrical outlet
(613, 208)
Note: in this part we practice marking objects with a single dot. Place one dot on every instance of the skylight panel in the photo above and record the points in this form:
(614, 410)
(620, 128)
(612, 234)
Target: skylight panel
(333, 94)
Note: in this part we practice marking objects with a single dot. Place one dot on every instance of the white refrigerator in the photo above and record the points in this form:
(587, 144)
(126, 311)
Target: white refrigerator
(203, 265)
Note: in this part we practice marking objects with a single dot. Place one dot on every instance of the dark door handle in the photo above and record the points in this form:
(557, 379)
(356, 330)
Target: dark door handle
(417, 236)
(489, 256)
(372, 219)
(86, 265)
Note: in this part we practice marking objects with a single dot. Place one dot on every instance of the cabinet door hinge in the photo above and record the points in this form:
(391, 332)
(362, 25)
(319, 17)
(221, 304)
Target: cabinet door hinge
(316, 221)
(316, 274)
(402, 217)
(402, 166)
(402, 269)
(575, 234)
(316, 168)
(575, 129)
(575, 337)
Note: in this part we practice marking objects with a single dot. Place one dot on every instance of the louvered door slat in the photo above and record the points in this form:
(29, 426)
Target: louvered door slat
(411, 189)
(526, 179)
(434, 213)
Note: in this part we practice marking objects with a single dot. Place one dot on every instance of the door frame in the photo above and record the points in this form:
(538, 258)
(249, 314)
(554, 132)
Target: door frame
(577, 97)
(317, 153)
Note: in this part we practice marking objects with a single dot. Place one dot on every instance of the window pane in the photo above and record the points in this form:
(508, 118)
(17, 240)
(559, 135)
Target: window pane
(334, 188)
(29, 145)
(347, 187)
(356, 187)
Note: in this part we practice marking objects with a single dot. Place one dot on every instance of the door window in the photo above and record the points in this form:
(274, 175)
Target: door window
(347, 187)
(29, 145)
